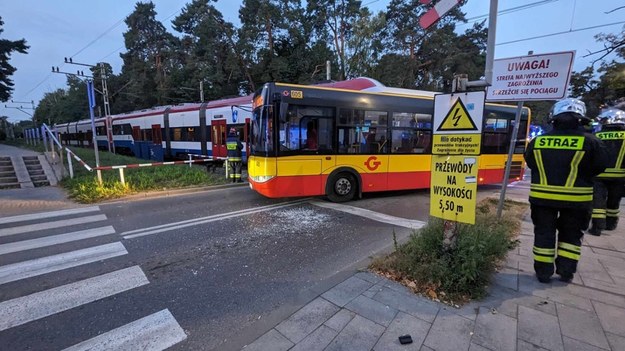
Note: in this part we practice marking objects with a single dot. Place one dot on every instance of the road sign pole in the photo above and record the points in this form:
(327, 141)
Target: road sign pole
(513, 140)
(450, 228)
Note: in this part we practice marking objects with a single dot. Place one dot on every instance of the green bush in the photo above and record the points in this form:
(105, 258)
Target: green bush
(461, 273)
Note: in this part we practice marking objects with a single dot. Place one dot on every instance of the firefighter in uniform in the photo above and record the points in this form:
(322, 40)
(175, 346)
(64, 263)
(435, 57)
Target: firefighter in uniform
(564, 162)
(234, 155)
(608, 187)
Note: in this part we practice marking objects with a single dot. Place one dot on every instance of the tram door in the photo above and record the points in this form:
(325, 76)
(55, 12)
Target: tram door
(157, 136)
(218, 138)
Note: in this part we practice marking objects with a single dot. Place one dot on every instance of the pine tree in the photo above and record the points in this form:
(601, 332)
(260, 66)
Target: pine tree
(6, 70)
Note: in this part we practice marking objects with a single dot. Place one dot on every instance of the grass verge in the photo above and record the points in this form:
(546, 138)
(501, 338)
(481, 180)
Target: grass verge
(463, 273)
(84, 186)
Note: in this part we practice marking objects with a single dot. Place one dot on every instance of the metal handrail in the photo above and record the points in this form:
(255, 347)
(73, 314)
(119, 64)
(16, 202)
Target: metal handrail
(68, 150)
(52, 136)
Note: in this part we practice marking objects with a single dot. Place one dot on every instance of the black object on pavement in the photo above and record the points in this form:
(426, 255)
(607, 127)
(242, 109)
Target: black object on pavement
(405, 339)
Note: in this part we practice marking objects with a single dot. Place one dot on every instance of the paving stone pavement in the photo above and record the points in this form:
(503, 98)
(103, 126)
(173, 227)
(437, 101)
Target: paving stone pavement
(367, 312)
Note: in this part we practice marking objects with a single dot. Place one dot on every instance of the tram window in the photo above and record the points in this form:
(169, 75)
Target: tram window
(147, 134)
(176, 134)
(193, 134)
(208, 133)
(122, 129)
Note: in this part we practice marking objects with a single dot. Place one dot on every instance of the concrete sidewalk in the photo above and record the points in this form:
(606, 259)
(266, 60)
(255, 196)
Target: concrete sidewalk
(367, 312)
(31, 200)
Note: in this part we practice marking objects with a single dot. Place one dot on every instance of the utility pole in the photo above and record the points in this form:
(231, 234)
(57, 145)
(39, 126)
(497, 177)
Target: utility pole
(22, 108)
(91, 98)
(328, 70)
(105, 97)
(201, 91)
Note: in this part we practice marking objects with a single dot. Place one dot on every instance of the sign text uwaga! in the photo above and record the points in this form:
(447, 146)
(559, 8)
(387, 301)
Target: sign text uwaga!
(456, 143)
(532, 77)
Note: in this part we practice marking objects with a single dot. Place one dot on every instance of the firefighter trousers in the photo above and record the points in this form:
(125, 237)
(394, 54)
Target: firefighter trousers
(235, 170)
(569, 225)
(606, 201)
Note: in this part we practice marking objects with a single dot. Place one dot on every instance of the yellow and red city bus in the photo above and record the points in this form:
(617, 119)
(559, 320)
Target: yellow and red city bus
(366, 141)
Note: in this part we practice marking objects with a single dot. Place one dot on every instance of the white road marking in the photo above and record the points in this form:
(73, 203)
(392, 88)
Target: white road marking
(157, 331)
(28, 308)
(42, 215)
(191, 222)
(54, 240)
(39, 266)
(376, 216)
(49, 225)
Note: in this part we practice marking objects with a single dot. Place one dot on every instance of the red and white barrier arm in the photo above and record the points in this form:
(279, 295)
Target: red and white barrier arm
(435, 13)
(79, 160)
(139, 165)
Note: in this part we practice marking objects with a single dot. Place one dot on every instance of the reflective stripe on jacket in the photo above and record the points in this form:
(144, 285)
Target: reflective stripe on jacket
(234, 146)
(613, 138)
(563, 164)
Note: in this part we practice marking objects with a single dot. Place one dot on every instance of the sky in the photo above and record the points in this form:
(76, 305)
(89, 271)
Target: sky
(92, 31)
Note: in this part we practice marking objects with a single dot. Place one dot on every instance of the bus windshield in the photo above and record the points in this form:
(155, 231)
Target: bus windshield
(262, 131)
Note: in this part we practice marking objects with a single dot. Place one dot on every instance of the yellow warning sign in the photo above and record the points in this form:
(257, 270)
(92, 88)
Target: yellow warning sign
(453, 188)
(457, 144)
(457, 119)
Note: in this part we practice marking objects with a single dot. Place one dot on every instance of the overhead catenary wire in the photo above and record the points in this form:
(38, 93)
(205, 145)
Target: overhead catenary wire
(560, 33)
(510, 10)
(108, 30)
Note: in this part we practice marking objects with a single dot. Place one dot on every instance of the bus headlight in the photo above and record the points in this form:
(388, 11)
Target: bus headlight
(262, 179)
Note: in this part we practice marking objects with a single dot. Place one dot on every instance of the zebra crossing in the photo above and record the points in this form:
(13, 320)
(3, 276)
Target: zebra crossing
(24, 242)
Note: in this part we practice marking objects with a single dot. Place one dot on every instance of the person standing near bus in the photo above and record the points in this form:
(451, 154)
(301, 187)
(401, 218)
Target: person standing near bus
(235, 155)
(311, 136)
(608, 187)
(564, 162)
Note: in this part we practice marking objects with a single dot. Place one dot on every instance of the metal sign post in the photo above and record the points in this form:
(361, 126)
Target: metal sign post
(522, 78)
(94, 140)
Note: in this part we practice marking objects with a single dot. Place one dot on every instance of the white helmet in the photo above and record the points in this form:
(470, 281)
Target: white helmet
(571, 105)
(611, 116)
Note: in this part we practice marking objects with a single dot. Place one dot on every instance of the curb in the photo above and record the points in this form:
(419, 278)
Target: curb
(171, 192)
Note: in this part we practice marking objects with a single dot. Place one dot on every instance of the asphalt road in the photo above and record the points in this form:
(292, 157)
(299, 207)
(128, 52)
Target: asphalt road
(223, 266)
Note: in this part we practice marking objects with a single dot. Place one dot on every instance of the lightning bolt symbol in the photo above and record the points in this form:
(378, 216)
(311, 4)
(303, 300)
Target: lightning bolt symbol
(456, 117)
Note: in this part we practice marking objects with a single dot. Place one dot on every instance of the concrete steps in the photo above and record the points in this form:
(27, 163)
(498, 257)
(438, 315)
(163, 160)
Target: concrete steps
(25, 172)
(35, 171)
(8, 178)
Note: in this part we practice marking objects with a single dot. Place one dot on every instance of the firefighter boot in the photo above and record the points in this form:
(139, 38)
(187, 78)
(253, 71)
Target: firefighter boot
(545, 279)
(544, 271)
(566, 277)
(596, 225)
(610, 223)
(594, 230)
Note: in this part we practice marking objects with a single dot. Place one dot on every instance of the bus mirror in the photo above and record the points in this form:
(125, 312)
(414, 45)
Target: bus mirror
(283, 111)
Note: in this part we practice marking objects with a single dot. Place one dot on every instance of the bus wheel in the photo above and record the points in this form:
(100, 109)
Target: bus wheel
(343, 187)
